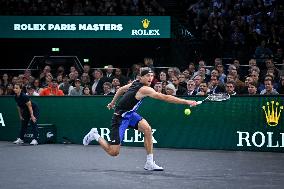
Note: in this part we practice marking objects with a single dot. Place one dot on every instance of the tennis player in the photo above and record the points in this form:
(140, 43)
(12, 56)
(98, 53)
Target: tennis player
(28, 113)
(125, 116)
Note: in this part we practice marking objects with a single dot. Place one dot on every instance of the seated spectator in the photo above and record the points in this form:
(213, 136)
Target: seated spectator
(65, 86)
(59, 79)
(107, 89)
(87, 69)
(115, 82)
(202, 72)
(230, 88)
(122, 78)
(97, 86)
(269, 90)
(85, 79)
(46, 71)
(162, 76)
(271, 77)
(109, 72)
(170, 89)
(198, 80)
(173, 71)
(86, 91)
(222, 75)
(191, 88)
(215, 86)
(252, 88)
(182, 80)
(180, 91)
(252, 62)
(46, 80)
(10, 89)
(31, 91)
(191, 69)
(37, 85)
(135, 70)
(52, 90)
(5, 79)
(247, 81)
(203, 89)
(158, 87)
(187, 74)
(77, 90)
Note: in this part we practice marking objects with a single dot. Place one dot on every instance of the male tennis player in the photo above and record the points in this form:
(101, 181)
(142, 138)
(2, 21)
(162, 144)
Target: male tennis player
(125, 116)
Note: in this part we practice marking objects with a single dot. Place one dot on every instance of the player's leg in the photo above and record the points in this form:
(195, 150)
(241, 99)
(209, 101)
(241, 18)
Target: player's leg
(112, 150)
(23, 130)
(145, 128)
(35, 132)
(142, 125)
(119, 126)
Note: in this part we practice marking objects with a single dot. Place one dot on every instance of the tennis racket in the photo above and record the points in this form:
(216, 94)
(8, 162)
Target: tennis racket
(218, 97)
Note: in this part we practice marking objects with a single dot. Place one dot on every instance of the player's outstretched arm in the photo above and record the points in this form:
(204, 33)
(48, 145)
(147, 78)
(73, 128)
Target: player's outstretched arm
(148, 91)
(118, 93)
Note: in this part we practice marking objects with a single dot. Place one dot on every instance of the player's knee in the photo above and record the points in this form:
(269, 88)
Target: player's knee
(147, 130)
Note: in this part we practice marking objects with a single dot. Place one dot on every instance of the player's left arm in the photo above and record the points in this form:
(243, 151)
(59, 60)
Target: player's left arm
(148, 91)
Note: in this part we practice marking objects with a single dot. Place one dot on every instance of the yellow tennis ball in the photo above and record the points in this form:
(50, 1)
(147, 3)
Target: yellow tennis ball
(187, 111)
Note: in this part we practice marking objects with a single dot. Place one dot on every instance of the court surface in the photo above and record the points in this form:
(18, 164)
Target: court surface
(58, 166)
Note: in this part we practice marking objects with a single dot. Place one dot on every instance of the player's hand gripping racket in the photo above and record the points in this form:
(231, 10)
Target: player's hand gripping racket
(218, 97)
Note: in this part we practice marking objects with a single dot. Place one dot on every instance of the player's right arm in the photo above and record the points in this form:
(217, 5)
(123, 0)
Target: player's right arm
(118, 93)
(148, 91)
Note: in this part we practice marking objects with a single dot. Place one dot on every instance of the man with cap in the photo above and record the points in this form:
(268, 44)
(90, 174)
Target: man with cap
(77, 90)
(125, 116)
(52, 89)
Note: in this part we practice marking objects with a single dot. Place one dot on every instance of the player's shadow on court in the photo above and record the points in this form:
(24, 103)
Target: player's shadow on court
(140, 172)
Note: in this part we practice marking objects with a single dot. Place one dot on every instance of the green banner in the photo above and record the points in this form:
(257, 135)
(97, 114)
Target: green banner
(85, 27)
(241, 123)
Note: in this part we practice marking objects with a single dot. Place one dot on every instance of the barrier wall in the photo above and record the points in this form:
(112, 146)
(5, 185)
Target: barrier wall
(237, 124)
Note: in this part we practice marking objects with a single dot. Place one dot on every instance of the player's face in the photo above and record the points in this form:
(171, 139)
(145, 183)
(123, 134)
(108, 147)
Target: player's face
(147, 79)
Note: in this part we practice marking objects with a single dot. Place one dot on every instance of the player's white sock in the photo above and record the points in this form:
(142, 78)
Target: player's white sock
(150, 158)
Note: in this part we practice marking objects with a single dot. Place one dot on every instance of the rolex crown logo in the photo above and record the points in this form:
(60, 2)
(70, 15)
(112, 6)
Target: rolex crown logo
(145, 23)
(272, 112)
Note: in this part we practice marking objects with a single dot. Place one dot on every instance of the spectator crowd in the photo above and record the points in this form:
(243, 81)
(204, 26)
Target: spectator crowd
(196, 79)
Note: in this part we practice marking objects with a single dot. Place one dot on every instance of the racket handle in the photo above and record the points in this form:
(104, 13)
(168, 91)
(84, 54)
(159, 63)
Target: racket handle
(198, 102)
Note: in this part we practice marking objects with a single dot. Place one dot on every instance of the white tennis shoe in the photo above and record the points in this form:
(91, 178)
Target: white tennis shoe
(152, 167)
(18, 141)
(90, 136)
(34, 142)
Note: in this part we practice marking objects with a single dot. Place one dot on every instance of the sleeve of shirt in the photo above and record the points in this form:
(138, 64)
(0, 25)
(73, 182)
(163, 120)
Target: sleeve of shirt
(25, 98)
(60, 93)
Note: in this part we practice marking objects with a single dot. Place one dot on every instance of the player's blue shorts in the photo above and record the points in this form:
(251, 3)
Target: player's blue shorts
(120, 123)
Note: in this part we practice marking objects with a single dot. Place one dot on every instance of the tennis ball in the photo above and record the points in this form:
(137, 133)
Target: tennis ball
(187, 111)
